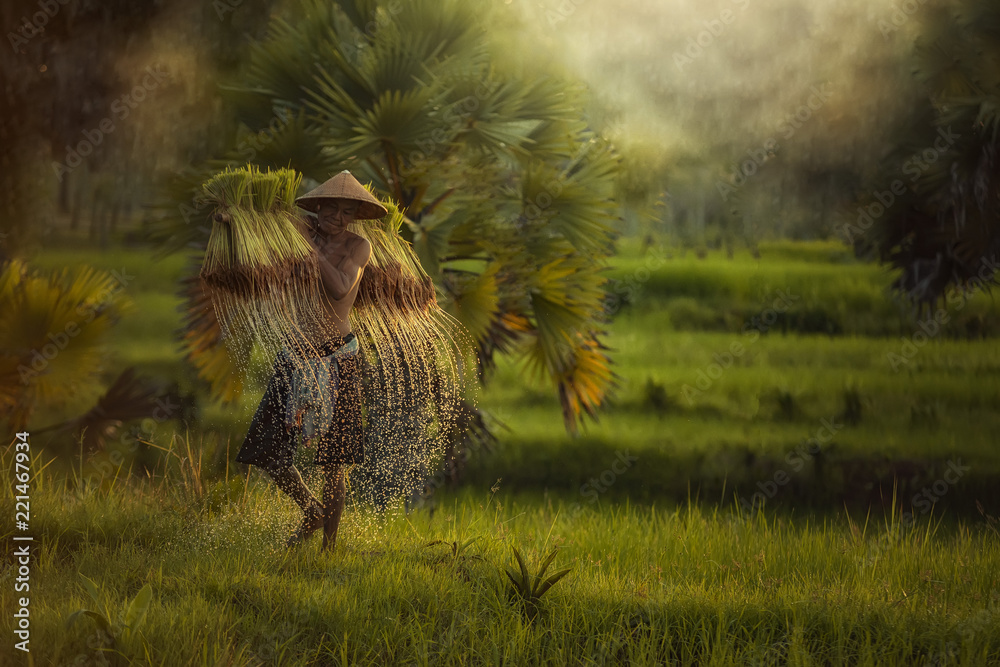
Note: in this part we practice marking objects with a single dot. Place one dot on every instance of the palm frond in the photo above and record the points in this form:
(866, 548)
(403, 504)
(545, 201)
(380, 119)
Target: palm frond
(52, 335)
(129, 398)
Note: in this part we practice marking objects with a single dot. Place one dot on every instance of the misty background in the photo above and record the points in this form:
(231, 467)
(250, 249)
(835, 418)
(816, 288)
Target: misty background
(736, 121)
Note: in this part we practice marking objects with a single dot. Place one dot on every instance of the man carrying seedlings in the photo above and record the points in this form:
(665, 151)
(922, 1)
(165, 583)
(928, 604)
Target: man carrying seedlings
(315, 390)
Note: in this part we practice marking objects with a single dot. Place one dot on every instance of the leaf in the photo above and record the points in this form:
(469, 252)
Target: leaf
(71, 310)
(137, 609)
(545, 563)
(101, 621)
(129, 398)
(92, 590)
(474, 300)
(551, 581)
(525, 577)
(468, 543)
(518, 586)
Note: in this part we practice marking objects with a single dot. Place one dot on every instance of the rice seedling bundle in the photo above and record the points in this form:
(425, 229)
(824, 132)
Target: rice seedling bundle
(419, 356)
(260, 272)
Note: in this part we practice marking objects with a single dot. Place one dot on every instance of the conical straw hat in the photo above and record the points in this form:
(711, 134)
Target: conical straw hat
(344, 186)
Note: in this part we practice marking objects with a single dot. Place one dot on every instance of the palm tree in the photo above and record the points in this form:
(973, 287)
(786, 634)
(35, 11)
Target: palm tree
(507, 193)
(52, 350)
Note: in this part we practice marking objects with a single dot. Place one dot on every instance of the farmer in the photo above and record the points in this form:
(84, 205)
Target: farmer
(315, 390)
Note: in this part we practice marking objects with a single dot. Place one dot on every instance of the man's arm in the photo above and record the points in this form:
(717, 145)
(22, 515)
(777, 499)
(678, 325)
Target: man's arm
(341, 268)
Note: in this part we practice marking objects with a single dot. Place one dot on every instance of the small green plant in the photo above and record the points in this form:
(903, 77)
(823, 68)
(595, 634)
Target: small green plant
(459, 558)
(528, 589)
(787, 406)
(656, 396)
(852, 406)
(924, 414)
(457, 550)
(125, 629)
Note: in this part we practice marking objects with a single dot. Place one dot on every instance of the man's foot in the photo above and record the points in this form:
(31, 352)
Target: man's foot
(312, 521)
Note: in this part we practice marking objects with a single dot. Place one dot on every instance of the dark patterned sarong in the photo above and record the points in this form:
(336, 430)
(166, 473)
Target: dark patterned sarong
(329, 415)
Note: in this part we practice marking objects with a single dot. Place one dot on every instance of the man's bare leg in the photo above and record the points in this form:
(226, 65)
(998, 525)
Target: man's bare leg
(290, 481)
(334, 495)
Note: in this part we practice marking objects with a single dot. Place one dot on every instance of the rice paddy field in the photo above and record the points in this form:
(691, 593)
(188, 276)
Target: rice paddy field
(796, 470)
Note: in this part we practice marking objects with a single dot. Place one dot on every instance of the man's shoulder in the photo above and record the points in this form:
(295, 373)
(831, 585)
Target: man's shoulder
(359, 245)
(356, 239)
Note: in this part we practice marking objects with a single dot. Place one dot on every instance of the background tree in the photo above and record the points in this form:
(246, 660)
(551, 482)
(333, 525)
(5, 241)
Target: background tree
(67, 69)
(943, 230)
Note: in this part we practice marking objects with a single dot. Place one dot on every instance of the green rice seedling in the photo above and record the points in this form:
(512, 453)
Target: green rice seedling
(422, 360)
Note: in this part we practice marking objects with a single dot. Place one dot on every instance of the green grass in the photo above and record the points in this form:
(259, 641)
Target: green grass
(828, 291)
(693, 584)
(709, 421)
(650, 506)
